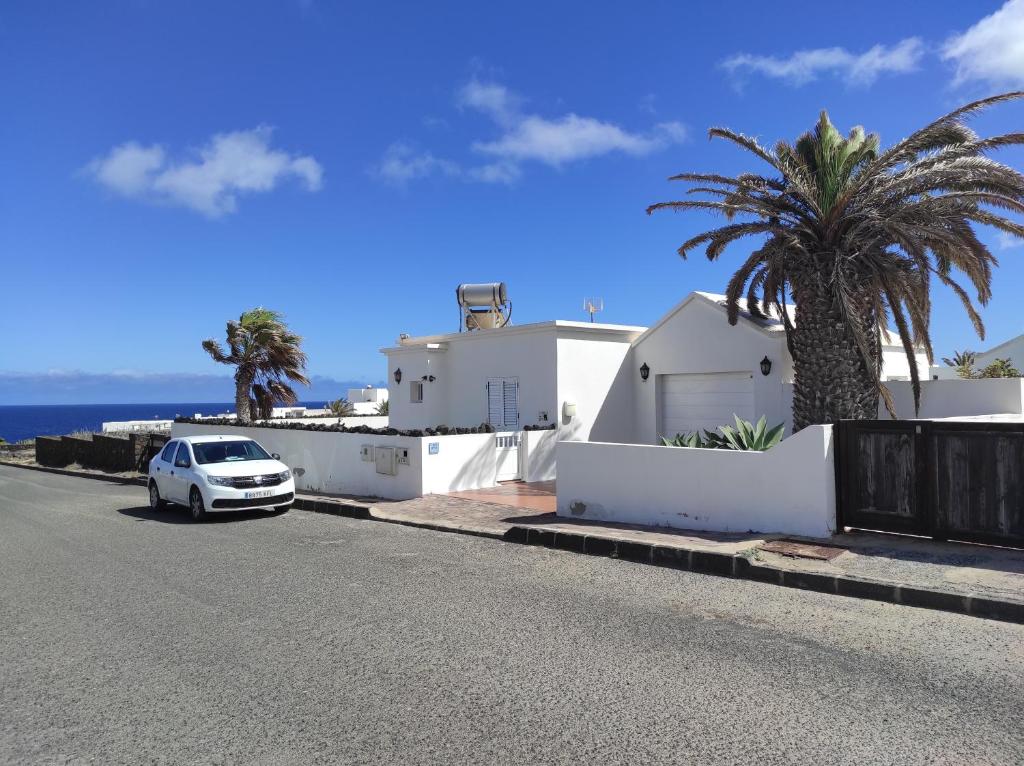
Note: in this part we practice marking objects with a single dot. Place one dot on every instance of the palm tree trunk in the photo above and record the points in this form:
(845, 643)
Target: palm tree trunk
(831, 380)
(243, 383)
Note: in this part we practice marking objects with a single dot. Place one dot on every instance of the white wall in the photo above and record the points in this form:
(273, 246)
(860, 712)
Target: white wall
(367, 394)
(1012, 349)
(593, 375)
(329, 461)
(373, 421)
(957, 397)
(458, 396)
(539, 452)
(790, 489)
(699, 339)
(895, 364)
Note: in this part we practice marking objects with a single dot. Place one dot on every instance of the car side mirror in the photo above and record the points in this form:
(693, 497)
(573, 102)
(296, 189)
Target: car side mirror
(275, 456)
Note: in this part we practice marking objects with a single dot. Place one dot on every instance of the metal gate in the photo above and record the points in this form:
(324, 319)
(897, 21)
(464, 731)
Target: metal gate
(508, 463)
(959, 480)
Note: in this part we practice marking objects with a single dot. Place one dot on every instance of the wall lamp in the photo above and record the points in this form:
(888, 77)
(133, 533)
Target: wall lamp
(429, 378)
(645, 372)
(398, 375)
(766, 366)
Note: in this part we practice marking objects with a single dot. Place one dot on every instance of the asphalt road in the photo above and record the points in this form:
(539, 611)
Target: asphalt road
(128, 636)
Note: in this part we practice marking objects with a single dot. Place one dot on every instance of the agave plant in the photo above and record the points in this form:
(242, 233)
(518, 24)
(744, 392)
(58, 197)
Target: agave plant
(746, 436)
(855, 235)
(265, 354)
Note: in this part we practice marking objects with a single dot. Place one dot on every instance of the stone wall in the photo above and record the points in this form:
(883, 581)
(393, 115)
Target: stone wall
(113, 454)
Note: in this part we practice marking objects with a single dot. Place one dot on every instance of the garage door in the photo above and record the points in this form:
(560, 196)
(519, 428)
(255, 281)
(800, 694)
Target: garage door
(704, 401)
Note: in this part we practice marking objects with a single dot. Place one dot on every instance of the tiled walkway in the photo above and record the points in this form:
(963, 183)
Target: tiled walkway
(537, 496)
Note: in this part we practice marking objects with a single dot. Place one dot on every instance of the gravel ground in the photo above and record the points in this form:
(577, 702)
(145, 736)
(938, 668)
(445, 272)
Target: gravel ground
(130, 636)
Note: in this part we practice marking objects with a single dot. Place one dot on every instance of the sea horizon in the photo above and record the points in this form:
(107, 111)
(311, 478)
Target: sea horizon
(26, 421)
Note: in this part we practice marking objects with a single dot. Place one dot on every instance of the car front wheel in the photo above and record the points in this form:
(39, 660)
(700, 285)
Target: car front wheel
(156, 502)
(196, 506)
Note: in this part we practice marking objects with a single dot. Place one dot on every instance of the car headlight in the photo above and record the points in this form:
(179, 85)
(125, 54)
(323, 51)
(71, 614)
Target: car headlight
(285, 475)
(220, 481)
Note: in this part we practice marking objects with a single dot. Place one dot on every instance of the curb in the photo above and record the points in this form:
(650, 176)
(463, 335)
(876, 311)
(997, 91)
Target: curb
(138, 481)
(740, 567)
(702, 562)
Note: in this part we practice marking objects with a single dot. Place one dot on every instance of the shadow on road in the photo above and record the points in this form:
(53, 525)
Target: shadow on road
(180, 515)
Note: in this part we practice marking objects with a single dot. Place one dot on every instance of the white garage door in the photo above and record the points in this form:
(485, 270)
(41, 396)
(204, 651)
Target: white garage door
(704, 401)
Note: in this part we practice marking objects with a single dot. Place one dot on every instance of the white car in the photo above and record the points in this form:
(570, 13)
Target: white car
(219, 473)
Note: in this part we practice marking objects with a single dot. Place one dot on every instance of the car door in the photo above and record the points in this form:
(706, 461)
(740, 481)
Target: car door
(162, 468)
(181, 474)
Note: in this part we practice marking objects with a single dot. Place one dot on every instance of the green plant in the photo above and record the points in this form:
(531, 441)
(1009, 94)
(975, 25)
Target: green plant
(855, 236)
(343, 408)
(745, 436)
(757, 438)
(384, 407)
(265, 354)
(1000, 368)
(963, 361)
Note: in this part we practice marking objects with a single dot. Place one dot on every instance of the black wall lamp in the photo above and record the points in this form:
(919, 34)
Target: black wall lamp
(645, 372)
(766, 366)
(429, 378)
(398, 375)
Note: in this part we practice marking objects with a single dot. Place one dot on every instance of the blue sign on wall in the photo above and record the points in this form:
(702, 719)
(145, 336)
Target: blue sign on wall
(434, 447)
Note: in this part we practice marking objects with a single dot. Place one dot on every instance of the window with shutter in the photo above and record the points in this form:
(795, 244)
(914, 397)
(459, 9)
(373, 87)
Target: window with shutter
(503, 403)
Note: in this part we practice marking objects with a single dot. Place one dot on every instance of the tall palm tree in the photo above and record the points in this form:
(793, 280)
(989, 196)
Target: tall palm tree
(853, 236)
(265, 353)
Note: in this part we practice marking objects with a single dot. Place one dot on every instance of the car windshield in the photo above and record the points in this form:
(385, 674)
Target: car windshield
(228, 452)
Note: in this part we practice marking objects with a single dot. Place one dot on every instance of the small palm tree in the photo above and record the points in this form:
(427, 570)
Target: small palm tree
(265, 354)
(384, 407)
(855, 236)
(963, 361)
(343, 408)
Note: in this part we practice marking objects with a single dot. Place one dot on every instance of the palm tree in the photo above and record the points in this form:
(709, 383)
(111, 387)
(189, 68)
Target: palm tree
(963, 361)
(343, 408)
(265, 353)
(854, 235)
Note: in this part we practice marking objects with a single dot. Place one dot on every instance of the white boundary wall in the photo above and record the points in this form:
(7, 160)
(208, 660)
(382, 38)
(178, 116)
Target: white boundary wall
(329, 461)
(789, 489)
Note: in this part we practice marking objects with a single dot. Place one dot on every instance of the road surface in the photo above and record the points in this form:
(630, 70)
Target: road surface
(130, 636)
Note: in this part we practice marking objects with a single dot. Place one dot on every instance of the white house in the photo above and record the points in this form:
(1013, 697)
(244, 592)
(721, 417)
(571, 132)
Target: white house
(367, 400)
(601, 382)
(1012, 349)
(571, 374)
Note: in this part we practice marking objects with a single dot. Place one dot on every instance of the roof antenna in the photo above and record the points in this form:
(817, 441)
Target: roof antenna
(592, 306)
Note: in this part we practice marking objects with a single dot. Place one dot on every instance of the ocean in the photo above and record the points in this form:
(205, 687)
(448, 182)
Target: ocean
(30, 420)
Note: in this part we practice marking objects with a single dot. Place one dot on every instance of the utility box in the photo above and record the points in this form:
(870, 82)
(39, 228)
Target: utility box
(402, 455)
(384, 457)
(366, 453)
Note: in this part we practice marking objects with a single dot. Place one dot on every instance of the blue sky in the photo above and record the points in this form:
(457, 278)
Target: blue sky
(168, 165)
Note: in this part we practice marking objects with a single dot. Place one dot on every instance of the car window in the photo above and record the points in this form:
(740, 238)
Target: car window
(229, 452)
(168, 454)
(182, 460)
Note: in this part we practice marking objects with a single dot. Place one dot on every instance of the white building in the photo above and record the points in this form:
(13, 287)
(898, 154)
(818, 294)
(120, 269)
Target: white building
(599, 382)
(1012, 349)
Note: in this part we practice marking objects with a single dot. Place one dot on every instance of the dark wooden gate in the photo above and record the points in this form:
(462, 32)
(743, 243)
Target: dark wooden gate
(957, 480)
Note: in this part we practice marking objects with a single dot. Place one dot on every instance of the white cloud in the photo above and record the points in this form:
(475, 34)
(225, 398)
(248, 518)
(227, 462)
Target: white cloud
(805, 66)
(1007, 241)
(524, 137)
(572, 137)
(402, 164)
(210, 182)
(991, 51)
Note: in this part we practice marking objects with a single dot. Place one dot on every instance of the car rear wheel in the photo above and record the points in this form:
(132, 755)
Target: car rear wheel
(156, 502)
(196, 506)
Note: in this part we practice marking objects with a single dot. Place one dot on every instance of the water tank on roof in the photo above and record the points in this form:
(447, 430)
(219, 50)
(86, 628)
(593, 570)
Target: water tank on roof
(483, 306)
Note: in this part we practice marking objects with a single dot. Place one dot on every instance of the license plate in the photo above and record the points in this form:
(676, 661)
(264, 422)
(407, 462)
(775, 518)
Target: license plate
(258, 493)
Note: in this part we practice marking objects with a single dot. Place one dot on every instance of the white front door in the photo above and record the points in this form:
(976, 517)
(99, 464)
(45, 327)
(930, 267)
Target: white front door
(507, 447)
(703, 401)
